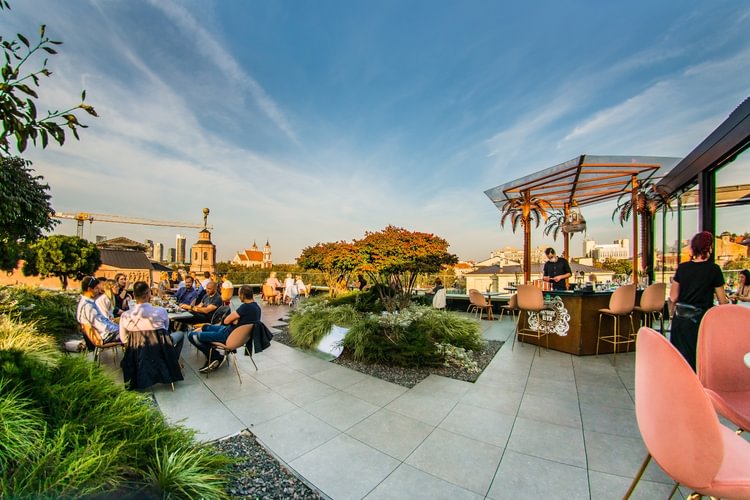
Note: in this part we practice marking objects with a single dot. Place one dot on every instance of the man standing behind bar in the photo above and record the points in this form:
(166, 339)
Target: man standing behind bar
(556, 270)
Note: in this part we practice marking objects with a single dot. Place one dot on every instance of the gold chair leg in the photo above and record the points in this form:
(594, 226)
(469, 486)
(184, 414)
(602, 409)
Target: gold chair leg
(638, 477)
(598, 334)
(236, 368)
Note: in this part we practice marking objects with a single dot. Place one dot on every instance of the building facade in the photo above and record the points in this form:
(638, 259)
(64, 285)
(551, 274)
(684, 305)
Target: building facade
(254, 257)
(180, 243)
(203, 253)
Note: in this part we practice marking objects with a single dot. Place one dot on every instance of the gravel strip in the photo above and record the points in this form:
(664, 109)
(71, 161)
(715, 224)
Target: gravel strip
(257, 474)
(407, 377)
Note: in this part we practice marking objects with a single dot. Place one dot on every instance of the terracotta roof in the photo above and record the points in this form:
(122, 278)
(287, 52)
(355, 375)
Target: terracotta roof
(125, 259)
(250, 256)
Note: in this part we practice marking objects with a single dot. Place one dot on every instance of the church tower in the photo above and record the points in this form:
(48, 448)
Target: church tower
(203, 251)
(267, 262)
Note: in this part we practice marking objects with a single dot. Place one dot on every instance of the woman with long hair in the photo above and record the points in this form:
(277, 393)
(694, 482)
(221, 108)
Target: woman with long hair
(743, 288)
(106, 301)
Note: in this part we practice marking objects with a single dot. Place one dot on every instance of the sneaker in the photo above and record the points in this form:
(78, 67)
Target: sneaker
(210, 367)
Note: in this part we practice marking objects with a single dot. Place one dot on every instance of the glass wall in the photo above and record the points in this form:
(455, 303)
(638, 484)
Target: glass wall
(733, 217)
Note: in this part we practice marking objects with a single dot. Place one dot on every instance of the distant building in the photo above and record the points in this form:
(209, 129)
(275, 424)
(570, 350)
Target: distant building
(496, 278)
(253, 257)
(619, 249)
(203, 253)
(100, 238)
(725, 249)
(180, 243)
(172, 256)
(158, 252)
(149, 248)
(123, 255)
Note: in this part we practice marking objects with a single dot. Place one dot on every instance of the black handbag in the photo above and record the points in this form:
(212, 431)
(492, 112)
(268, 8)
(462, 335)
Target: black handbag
(686, 311)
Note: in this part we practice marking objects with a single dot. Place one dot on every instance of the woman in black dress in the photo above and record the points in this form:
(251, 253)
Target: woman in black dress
(693, 288)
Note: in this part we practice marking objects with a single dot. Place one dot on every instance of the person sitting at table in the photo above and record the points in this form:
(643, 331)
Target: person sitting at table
(556, 270)
(144, 317)
(302, 289)
(187, 295)
(206, 279)
(743, 288)
(273, 282)
(122, 297)
(290, 291)
(204, 312)
(106, 301)
(247, 314)
(89, 315)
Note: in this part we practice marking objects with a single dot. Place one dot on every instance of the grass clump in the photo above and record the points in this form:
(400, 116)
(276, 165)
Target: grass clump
(53, 312)
(313, 319)
(68, 430)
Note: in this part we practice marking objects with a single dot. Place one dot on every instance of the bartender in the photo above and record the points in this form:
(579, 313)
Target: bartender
(556, 270)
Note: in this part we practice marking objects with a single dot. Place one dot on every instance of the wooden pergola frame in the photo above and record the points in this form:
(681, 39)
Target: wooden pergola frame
(585, 180)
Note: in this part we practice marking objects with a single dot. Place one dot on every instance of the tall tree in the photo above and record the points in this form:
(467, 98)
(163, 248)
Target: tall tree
(394, 258)
(62, 256)
(25, 210)
(18, 93)
(332, 259)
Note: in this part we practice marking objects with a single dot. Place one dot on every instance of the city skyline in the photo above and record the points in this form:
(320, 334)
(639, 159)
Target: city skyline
(305, 123)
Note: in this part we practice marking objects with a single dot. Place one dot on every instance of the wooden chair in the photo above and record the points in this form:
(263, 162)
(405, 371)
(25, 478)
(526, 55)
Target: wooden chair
(652, 304)
(99, 345)
(530, 299)
(621, 303)
(269, 294)
(511, 307)
(239, 338)
(480, 304)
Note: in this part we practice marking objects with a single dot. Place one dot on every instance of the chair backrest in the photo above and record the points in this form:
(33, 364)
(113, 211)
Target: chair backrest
(239, 337)
(219, 314)
(530, 298)
(513, 302)
(438, 301)
(476, 298)
(622, 300)
(652, 299)
(677, 420)
(723, 340)
(268, 291)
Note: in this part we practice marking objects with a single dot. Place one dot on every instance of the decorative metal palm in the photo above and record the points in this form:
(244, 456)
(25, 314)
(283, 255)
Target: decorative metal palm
(524, 210)
(647, 201)
(555, 221)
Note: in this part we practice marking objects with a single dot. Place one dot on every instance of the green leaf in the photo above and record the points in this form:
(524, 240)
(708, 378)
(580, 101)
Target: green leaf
(83, 95)
(23, 39)
(42, 29)
(49, 50)
(26, 90)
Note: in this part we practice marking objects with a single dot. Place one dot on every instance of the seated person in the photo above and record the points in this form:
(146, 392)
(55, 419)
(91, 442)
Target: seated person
(143, 317)
(187, 295)
(743, 288)
(122, 297)
(274, 283)
(204, 312)
(247, 314)
(302, 289)
(106, 301)
(89, 315)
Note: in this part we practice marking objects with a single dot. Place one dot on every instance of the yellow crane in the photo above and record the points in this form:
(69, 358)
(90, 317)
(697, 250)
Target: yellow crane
(82, 217)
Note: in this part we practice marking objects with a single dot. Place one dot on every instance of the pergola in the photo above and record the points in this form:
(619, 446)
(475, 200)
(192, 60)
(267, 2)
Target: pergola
(582, 181)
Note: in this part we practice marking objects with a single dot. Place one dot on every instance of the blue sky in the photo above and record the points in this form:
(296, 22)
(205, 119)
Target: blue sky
(301, 122)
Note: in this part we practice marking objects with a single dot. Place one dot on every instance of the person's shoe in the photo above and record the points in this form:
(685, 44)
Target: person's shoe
(222, 362)
(210, 367)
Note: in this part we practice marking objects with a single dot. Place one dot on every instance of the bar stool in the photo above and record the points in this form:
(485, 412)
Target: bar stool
(652, 304)
(621, 303)
(531, 300)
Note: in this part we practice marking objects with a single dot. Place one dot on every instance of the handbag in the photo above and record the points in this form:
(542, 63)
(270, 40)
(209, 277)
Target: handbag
(686, 311)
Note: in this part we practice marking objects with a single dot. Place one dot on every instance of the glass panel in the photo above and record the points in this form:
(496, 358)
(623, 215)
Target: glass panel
(732, 228)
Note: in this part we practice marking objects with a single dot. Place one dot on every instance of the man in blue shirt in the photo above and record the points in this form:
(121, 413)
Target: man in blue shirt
(188, 294)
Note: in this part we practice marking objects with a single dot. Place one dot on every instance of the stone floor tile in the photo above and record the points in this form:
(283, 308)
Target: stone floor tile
(555, 411)
(341, 410)
(609, 486)
(550, 388)
(344, 468)
(550, 441)
(524, 476)
(259, 406)
(305, 391)
(480, 424)
(619, 455)
(339, 377)
(423, 407)
(375, 391)
(391, 433)
(294, 434)
(495, 398)
(610, 420)
(411, 483)
(457, 459)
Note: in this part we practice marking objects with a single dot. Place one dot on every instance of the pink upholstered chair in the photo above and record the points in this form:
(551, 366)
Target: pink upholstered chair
(680, 427)
(511, 307)
(480, 304)
(723, 340)
(530, 299)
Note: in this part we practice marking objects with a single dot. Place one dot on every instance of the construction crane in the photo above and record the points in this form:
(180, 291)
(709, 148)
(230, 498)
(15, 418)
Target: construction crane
(82, 217)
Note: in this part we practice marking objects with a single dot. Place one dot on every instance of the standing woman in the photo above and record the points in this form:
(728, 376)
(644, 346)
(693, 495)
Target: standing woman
(693, 288)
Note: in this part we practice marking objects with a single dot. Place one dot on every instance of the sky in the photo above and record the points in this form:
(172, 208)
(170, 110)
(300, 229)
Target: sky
(316, 121)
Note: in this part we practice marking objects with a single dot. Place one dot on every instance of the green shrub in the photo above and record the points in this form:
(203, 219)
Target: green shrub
(21, 427)
(187, 472)
(410, 338)
(16, 335)
(54, 312)
(313, 319)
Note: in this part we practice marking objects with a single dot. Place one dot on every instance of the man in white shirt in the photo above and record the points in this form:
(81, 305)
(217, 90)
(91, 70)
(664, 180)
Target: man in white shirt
(89, 315)
(144, 317)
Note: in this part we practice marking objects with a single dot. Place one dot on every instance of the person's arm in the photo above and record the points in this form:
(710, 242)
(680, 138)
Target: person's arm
(721, 295)
(566, 274)
(674, 294)
(123, 333)
(233, 316)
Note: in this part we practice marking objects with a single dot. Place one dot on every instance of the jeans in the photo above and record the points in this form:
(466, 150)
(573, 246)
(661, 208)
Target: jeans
(211, 333)
(178, 338)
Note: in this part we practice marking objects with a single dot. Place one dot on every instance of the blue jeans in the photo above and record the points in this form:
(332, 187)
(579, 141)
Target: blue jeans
(210, 333)
(177, 340)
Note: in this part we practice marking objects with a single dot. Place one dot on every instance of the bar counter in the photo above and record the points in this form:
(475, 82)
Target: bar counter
(583, 309)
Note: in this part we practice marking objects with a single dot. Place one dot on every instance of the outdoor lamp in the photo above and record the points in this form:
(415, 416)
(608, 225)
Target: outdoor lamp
(574, 223)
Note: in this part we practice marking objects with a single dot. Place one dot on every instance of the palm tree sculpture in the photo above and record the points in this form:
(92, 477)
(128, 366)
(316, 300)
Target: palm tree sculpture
(647, 201)
(523, 210)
